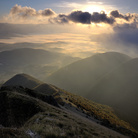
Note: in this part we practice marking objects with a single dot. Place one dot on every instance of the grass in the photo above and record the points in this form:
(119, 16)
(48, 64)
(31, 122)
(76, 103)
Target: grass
(103, 113)
(12, 133)
(61, 125)
(50, 121)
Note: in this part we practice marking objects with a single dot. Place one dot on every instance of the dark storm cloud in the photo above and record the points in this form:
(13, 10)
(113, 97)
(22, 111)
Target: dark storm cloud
(80, 17)
(83, 18)
(29, 12)
(96, 17)
(116, 14)
(101, 18)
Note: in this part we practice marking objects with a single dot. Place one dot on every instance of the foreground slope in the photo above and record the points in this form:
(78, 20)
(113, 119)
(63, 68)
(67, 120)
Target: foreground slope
(79, 76)
(23, 116)
(119, 89)
(72, 104)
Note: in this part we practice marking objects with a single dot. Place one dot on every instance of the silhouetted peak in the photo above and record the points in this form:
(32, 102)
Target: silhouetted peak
(23, 80)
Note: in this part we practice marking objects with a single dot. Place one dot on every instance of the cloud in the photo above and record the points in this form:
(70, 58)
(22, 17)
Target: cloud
(19, 14)
(122, 35)
(80, 17)
(101, 18)
(17, 10)
(23, 11)
(116, 14)
(60, 19)
(95, 17)
(46, 12)
(87, 18)
(83, 18)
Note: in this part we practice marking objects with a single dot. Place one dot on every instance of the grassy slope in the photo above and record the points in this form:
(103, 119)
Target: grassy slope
(26, 116)
(103, 113)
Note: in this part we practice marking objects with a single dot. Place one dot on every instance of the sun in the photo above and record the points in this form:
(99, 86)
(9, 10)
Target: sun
(93, 8)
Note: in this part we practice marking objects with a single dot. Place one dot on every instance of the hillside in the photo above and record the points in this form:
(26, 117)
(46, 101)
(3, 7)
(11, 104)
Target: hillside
(119, 89)
(25, 117)
(79, 76)
(69, 110)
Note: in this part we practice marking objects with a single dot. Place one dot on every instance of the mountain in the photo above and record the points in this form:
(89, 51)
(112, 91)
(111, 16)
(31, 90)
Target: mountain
(31, 61)
(37, 113)
(80, 76)
(119, 89)
(23, 56)
(23, 80)
(109, 78)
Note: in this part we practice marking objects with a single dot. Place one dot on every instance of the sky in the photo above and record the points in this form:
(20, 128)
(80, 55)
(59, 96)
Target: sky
(77, 28)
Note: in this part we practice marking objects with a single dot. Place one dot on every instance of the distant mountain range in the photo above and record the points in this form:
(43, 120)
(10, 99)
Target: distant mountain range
(37, 109)
(36, 62)
(81, 75)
